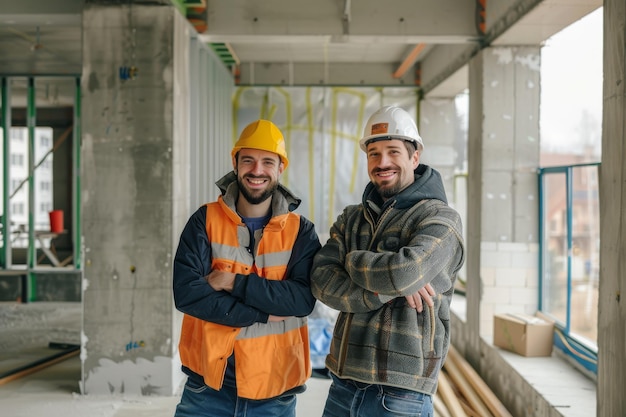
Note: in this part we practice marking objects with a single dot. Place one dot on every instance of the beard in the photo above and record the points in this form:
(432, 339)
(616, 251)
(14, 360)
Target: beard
(389, 190)
(256, 196)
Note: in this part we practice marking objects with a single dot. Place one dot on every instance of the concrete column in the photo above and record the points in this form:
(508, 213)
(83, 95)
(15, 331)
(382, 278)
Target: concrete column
(128, 146)
(612, 293)
(503, 155)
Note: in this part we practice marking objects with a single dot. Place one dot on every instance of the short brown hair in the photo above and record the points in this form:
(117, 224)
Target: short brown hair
(410, 146)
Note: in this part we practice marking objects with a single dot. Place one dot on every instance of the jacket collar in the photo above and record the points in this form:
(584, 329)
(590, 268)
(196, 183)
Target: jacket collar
(427, 185)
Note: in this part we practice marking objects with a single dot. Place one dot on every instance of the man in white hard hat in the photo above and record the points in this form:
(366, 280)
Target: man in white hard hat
(401, 246)
(242, 278)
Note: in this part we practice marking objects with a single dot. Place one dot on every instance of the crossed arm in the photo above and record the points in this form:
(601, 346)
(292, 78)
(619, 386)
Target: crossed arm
(225, 281)
(359, 281)
(240, 300)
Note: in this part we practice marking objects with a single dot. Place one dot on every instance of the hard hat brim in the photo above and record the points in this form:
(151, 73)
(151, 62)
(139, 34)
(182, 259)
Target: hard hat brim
(385, 136)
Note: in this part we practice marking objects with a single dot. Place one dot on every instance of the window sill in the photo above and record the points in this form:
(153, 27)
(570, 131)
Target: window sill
(537, 386)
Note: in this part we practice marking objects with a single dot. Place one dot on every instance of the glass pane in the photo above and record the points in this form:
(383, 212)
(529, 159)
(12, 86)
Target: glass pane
(18, 171)
(554, 283)
(18, 189)
(571, 119)
(43, 177)
(39, 172)
(585, 253)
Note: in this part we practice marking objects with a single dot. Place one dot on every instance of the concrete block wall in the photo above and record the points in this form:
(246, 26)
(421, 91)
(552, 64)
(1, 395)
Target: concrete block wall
(509, 278)
(504, 153)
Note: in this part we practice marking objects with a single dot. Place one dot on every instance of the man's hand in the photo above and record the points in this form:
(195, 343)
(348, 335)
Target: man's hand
(221, 280)
(426, 294)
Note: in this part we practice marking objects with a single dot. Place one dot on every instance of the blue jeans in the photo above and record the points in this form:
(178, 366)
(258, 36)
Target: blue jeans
(347, 398)
(199, 400)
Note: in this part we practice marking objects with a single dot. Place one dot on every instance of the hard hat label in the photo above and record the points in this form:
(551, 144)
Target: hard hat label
(379, 128)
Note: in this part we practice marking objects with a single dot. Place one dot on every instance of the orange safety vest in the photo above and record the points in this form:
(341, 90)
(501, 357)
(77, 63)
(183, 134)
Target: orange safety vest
(270, 358)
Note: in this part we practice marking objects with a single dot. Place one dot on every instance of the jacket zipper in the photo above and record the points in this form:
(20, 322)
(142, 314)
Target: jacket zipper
(375, 227)
(343, 349)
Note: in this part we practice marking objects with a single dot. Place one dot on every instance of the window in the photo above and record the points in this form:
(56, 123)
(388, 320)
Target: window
(17, 208)
(17, 160)
(17, 134)
(571, 133)
(571, 118)
(570, 257)
(45, 207)
(14, 184)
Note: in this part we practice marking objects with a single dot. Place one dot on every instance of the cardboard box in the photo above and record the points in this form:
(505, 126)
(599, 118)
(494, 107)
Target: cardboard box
(523, 334)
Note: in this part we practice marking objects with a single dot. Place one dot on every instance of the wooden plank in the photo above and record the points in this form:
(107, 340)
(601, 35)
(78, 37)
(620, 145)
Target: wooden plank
(440, 407)
(449, 397)
(468, 408)
(612, 292)
(466, 390)
(492, 402)
(38, 367)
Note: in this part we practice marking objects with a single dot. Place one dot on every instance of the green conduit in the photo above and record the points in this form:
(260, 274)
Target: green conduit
(31, 257)
(5, 255)
(76, 197)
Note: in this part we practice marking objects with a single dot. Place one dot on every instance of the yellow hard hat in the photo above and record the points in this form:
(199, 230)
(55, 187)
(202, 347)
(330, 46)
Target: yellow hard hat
(263, 135)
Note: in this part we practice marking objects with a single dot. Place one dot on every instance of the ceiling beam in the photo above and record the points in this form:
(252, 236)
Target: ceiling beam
(409, 60)
(447, 20)
(331, 74)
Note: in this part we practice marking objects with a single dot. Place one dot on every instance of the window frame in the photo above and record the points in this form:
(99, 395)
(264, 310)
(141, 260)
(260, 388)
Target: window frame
(578, 350)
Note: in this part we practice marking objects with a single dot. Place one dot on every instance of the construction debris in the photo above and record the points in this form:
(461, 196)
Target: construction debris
(463, 393)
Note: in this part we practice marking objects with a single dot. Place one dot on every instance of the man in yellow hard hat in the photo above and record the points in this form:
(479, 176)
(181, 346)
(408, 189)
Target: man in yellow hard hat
(242, 278)
(389, 267)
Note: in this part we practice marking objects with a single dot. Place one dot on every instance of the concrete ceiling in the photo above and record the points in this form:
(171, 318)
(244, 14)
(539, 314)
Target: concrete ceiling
(303, 42)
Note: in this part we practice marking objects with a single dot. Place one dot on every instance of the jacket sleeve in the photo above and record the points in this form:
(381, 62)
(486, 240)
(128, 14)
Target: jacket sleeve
(431, 255)
(291, 296)
(359, 281)
(192, 294)
(330, 281)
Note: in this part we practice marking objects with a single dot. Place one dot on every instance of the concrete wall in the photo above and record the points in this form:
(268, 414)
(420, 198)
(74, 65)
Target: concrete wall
(153, 147)
(127, 199)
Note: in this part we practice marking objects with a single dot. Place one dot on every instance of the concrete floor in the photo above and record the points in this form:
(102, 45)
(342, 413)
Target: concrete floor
(53, 392)
(26, 330)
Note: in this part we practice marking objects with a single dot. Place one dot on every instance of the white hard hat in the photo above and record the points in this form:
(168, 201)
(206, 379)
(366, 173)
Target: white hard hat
(391, 122)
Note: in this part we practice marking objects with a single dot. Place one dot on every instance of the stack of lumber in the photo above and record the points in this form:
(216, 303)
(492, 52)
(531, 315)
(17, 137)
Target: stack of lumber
(463, 393)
